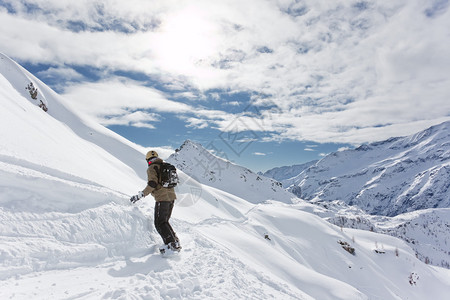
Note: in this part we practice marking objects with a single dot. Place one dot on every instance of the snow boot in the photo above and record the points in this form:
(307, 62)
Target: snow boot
(170, 248)
(175, 246)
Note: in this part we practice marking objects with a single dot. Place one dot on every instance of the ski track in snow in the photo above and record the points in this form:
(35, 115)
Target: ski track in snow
(35, 262)
(41, 242)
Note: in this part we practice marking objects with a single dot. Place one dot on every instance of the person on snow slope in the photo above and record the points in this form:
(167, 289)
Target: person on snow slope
(164, 201)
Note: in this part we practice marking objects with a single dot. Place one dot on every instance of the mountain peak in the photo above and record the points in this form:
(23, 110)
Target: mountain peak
(190, 144)
(209, 169)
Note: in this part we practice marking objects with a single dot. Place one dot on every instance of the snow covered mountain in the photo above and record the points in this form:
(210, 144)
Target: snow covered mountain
(425, 231)
(386, 178)
(287, 175)
(68, 230)
(206, 168)
(287, 172)
(58, 140)
(405, 177)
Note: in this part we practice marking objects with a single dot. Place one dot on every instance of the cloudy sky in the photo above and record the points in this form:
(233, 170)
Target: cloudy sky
(263, 83)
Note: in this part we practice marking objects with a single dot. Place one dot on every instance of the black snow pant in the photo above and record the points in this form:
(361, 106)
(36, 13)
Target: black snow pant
(163, 211)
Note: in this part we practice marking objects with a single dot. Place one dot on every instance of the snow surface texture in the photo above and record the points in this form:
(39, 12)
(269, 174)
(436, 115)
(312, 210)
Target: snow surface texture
(68, 231)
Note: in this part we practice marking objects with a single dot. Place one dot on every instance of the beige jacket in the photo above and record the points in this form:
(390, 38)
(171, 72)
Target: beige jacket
(153, 187)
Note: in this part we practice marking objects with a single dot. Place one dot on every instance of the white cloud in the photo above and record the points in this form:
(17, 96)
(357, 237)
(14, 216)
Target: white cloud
(136, 119)
(233, 103)
(61, 72)
(343, 149)
(259, 153)
(246, 140)
(337, 71)
(117, 101)
(197, 123)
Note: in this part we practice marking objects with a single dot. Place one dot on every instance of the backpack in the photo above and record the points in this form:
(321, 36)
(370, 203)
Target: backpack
(167, 175)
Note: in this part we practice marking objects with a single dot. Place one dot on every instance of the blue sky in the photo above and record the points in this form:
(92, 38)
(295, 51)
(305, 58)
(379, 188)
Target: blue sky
(263, 83)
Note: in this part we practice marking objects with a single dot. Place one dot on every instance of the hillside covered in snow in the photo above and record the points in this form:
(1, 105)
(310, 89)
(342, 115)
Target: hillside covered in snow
(68, 230)
(202, 165)
(387, 178)
(399, 187)
(286, 175)
(425, 231)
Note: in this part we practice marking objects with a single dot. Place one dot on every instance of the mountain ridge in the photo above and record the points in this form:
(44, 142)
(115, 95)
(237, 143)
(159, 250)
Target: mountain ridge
(385, 178)
(286, 172)
(205, 167)
(60, 116)
(405, 178)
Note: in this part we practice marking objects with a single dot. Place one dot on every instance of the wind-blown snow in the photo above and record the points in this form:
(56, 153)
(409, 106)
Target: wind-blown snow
(68, 231)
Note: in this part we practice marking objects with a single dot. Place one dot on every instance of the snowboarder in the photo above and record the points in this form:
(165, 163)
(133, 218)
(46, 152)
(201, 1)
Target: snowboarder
(164, 198)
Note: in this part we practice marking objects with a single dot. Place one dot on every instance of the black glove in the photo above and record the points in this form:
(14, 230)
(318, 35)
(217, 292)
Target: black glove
(137, 197)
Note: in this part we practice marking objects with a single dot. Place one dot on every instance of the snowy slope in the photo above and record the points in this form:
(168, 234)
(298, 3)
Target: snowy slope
(282, 174)
(386, 178)
(286, 172)
(199, 163)
(68, 231)
(57, 247)
(287, 175)
(60, 139)
(425, 231)
(393, 177)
